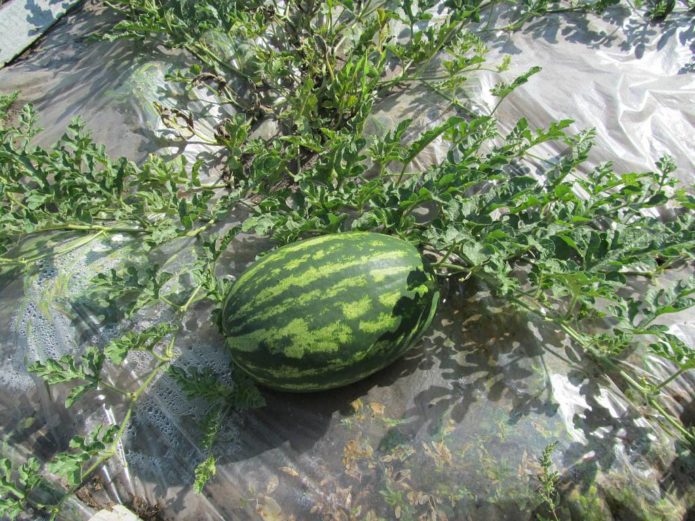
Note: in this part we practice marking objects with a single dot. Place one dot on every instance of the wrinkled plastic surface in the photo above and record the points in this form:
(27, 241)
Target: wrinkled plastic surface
(23, 22)
(452, 431)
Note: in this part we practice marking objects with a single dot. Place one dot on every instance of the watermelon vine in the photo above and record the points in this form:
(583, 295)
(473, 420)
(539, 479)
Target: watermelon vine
(561, 244)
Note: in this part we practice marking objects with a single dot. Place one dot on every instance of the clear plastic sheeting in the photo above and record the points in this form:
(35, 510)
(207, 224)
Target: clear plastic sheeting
(116, 88)
(451, 432)
(23, 22)
(630, 79)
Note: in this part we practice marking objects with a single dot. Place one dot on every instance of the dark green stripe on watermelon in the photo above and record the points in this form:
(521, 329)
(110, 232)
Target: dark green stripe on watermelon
(328, 311)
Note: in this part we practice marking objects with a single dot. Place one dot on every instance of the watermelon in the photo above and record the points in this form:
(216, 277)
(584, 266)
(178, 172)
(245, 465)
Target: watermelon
(328, 311)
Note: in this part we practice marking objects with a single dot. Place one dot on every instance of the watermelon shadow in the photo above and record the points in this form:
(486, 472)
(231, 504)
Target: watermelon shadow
(289, 430)
(479, 364)
(300, 420)
(497, 381)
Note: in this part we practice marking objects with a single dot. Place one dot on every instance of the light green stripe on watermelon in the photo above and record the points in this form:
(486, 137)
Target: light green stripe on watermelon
(274, 263)
(299, 338)
(312, 275)
(390, 299)
(384, 322)
(295, 263)
(289, 372)
(358, 281)
(252, 270)
(301, 245)
(280, 266)
(278, 256)
(380, 274)
(293, 372)
(327, 339)
(356, 308)
(286, 371)
(305, 299)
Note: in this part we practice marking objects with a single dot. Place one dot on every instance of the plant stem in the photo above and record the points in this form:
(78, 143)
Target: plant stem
(651, 399)
(649, 396)
(163, 362)
(87, 227)
(59, 251)
(113, 388)
(112, 449)
(446, 256)
(672, 420)
(455, 268)
(670, 379)
(191, 298)
(168, 302)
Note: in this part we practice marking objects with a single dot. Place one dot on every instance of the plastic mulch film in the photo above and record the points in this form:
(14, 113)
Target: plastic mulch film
(452, 431)
(23, 22)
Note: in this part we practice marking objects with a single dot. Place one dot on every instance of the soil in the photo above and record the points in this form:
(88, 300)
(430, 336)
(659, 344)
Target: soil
(145, 510)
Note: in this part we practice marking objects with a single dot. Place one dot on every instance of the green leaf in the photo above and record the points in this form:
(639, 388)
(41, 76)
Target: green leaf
(146, 340)
(199, 383)
(70, 465)
(77, 392)
(15, 492)
(212, 423)
(12, 508)
(661, 301)
(203, 473)
(672, 348)
(6, 102)
(29, 473)
(260, 224)
(67, 369)
(428, 137)
(502, 89)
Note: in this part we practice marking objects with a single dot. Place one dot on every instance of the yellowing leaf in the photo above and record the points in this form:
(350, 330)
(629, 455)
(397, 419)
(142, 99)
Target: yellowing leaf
(449, 427)
(273, 483)
(355, 450)
(439, 452)
(290, 471)
(269, 510)
(377, 408)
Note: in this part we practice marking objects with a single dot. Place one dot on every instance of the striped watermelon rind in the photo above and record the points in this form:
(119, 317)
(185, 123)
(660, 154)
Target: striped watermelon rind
(329, 311)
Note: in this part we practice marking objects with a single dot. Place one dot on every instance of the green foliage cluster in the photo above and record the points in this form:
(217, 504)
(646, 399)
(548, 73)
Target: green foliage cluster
(548, 481)
(547, 235)
(16, 486)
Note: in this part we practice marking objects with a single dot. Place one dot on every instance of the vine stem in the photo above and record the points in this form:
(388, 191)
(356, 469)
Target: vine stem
(201, 229)
(653, 402)
(647, 393)
(163, 363)
(106, 385)
(86, 227)
(113, 447)
(99, 229)
(670, 379)
(446, 256)
(452, 267)
(67, 249)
